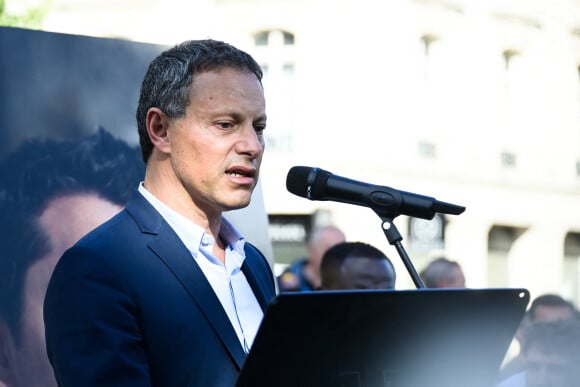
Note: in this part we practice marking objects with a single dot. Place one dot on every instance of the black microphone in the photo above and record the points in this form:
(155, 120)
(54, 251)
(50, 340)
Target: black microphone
(318, 184)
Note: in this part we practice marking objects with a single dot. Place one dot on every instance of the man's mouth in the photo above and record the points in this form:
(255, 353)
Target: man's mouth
(241, 172)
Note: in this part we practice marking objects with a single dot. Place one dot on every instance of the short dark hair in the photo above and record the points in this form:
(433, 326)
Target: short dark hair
(167, 82)
(334, 257)
(438, 269)
(549, 300)
(39, 171)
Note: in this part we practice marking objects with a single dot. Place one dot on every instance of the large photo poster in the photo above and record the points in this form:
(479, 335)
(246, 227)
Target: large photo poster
(69, 159)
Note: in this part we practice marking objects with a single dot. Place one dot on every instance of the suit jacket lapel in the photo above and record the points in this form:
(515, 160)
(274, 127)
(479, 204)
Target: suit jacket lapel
(251, 271)
(169, 248)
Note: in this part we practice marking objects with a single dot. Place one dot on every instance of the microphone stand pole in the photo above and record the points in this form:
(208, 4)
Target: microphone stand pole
(395, 238)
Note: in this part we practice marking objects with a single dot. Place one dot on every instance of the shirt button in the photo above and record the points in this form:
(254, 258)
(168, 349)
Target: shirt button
(207, 240)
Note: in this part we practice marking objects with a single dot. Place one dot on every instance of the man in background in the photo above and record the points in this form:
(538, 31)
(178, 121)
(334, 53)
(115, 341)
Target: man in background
(544, 308)
(551, 355)
(356, 265)
(551, 307)
(443, 273)
(52, 192)
(304, 274)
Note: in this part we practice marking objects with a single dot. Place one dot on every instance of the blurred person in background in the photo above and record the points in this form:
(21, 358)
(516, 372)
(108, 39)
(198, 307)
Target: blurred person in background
(443, 273)
(550, 307)
(551, 354)
(356, 265)
(544, 308)
(304, 274)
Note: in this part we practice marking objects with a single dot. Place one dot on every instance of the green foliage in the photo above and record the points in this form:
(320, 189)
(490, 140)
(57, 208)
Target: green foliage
(32, 18)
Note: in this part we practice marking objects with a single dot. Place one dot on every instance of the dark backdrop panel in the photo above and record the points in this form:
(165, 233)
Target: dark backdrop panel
(67, 85)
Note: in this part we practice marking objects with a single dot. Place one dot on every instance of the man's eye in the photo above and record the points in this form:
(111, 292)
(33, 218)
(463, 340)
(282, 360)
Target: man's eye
(225, 125)
(260, 128)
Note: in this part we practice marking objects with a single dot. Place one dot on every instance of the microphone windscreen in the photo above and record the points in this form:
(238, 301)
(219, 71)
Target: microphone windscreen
(296, 180)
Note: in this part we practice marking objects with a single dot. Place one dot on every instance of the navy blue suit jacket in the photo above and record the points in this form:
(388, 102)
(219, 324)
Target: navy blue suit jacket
(128, 306)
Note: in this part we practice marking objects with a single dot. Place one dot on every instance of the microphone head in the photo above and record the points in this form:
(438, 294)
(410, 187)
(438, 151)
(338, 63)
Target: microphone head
(307, 182)
(296, 180)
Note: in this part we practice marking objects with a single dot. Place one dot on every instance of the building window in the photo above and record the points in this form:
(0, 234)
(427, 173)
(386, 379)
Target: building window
(499, 243)
(261, 38)
(274, 50)
(288, 38)
(508, 159)
(288, 69)
(572, 244)
(427, 150)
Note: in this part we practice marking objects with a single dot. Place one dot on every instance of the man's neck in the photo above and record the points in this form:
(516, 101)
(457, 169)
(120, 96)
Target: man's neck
(167, 189)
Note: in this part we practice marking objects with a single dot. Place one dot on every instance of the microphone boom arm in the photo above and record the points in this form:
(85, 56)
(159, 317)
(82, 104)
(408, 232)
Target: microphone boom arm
(395, 238)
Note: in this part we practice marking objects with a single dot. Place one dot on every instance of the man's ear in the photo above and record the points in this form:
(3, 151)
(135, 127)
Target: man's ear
(6, 343)
(157, 128)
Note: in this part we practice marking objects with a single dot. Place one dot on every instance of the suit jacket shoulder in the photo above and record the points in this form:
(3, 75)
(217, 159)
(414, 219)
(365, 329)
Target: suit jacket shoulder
(127, 305)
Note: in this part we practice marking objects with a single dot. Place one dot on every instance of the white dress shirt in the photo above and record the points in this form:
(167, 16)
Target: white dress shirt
(227, 281)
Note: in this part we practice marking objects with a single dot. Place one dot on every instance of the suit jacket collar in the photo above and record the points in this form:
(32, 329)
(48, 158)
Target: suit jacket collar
(258, 285)
(167, 246)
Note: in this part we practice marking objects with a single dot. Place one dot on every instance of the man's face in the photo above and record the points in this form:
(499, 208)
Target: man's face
(553, 312)
(217, 147)
(548, 370)
(328, 238)
(65, 220)
(367, 273)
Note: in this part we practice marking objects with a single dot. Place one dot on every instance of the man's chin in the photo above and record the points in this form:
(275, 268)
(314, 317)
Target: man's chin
(237, 204)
